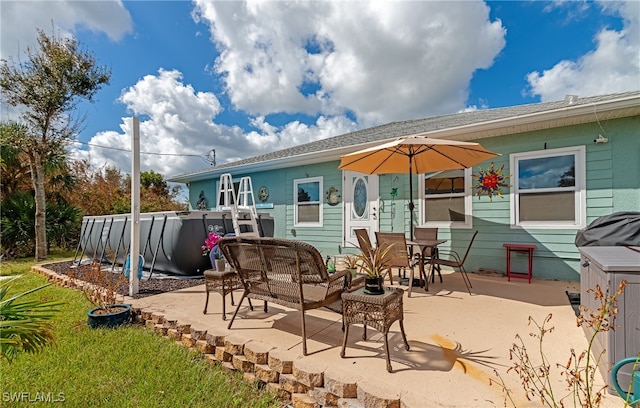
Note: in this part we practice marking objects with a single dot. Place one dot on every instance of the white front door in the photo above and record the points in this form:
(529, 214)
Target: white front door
(361, 205)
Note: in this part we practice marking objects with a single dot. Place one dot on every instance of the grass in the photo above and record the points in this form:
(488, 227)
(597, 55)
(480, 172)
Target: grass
(125, 367)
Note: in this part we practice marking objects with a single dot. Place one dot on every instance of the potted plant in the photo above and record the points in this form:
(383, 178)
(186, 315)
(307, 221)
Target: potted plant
(220, 262)
(373, 263)
(351, 263)
(101, 288)
(210, 249)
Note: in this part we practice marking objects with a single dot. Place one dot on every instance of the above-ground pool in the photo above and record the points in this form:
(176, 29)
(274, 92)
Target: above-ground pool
(170, 241)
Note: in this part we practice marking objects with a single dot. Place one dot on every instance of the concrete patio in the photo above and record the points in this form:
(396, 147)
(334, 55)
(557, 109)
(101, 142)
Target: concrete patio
(456, 339)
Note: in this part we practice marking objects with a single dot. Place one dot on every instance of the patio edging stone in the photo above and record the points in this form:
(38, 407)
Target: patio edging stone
(291, 377)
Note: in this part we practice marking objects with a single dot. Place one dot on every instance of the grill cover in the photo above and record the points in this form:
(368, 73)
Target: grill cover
(617, 229)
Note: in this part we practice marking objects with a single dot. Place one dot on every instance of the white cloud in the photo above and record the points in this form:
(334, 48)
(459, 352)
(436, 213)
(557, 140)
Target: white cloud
(375, 61)
(179, 122)
(66, 16)
(382, 61)
(613, 66)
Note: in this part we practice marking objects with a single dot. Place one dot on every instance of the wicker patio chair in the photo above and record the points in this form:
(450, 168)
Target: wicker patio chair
(286, 272)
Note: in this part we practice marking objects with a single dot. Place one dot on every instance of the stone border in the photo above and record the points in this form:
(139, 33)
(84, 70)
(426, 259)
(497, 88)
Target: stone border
(291, 377)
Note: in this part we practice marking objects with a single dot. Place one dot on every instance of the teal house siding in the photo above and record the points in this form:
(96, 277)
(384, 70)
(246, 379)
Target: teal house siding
(612, 179)
(556, 256)
(279, 183)
(327, 238)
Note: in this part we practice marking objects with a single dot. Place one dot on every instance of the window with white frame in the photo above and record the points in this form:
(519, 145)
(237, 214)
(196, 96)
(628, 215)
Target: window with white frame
(549, 188)
(447, 199)
(308, 202)
(228, 193)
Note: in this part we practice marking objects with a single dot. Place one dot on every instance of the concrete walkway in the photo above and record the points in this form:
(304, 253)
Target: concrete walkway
(457, 340)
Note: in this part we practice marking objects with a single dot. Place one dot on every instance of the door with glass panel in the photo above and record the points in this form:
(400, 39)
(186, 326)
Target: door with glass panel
(361, 205)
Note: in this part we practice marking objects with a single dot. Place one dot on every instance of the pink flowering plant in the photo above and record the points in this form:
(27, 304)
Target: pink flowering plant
(209, 243)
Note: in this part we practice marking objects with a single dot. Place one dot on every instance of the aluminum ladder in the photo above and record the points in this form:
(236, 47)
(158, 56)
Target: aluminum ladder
(242, 208)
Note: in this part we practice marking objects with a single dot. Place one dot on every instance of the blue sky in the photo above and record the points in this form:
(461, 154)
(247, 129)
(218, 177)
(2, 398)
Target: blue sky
(245, 78)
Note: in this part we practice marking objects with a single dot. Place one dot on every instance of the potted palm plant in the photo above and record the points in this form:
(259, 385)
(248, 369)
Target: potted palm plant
(101, 288)
(373, 263)
(351, 263)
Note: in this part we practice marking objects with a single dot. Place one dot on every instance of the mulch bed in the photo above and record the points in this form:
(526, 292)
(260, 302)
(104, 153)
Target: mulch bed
(147, 287)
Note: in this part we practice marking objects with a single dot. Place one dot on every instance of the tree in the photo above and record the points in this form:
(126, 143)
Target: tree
(14, 172)
(47, 88)
(108, 191)
(17, 233)
(156, 195)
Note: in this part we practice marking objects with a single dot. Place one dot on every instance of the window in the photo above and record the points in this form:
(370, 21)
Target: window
(548, 188)
(447, 199)
(228, 193)
(308, 202)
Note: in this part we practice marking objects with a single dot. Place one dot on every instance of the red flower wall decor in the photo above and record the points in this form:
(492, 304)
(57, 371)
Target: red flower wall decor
(490, 182)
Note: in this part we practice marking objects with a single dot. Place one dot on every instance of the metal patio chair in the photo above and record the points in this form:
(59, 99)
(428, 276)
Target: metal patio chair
(364, 242)
(454, 261)
(427, 234)
(399, 257)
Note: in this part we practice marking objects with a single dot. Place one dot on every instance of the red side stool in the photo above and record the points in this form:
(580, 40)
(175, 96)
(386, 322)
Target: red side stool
(520, 248)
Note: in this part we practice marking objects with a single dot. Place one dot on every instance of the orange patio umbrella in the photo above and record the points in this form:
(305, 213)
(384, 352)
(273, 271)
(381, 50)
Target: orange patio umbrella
(415, 154)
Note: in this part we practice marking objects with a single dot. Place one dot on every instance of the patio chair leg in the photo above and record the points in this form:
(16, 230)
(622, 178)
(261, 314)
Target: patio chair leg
(433, 278)
(428, 276)
(304, 334)
(206, 303)
(344, 340)
(244, 294)
(224, 306)
(466, 279)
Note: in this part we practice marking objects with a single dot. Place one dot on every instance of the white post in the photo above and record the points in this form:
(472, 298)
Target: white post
(135, 206)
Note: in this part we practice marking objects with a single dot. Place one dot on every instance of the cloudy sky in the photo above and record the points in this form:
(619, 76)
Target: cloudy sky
(245, 78)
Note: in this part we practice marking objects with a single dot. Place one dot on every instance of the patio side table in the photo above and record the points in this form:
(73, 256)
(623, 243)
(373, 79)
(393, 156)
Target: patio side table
(223, 282)
(528, 248)
(377, 311)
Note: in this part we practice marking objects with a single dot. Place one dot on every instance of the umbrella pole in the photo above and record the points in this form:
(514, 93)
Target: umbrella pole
(410, 198)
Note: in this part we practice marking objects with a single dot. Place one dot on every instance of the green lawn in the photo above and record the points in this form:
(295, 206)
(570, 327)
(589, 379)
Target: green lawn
(125, 367)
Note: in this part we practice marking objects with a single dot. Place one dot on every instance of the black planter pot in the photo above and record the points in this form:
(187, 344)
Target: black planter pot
(112, 319)
(373, 286)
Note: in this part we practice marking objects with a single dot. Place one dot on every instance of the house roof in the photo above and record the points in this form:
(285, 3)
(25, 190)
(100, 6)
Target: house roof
(472, 125)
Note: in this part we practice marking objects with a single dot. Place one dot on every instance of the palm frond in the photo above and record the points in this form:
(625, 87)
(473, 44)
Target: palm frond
(24, 324)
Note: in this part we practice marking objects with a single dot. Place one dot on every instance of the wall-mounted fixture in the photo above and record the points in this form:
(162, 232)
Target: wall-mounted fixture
(600, 139)
(333, 196)
(263, 193)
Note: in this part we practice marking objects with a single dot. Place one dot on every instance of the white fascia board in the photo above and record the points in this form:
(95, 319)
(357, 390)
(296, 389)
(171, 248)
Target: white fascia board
(274, 164)
(569, 115)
